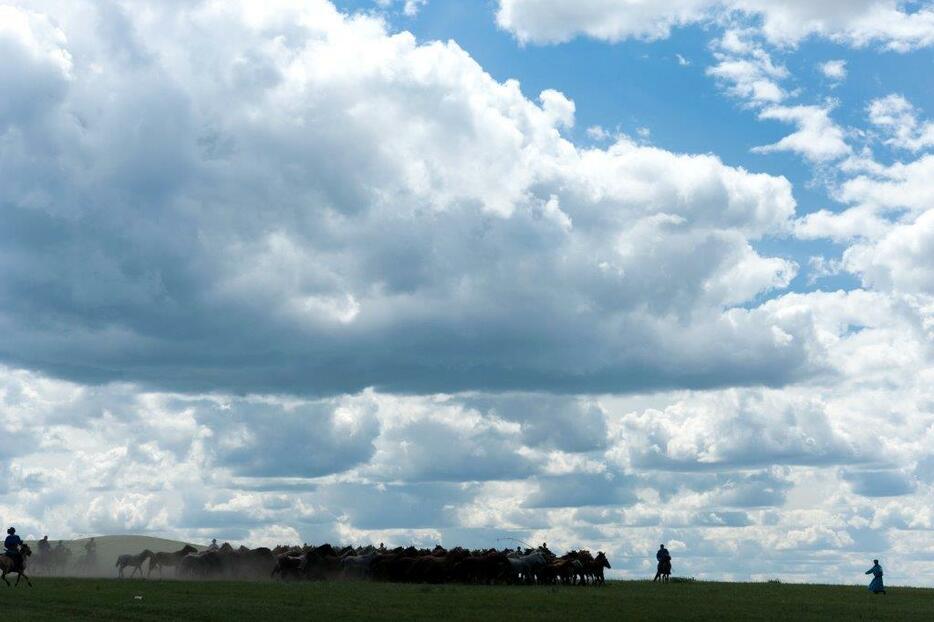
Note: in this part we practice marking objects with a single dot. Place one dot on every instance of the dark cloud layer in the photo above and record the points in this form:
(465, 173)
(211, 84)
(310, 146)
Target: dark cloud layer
(240, 212)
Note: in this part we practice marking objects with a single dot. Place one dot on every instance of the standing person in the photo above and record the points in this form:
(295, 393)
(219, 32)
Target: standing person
(876, 586)
(664, 564)
(11, 548)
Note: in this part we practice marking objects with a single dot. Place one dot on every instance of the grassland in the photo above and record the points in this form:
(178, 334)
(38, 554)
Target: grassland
(109, 599)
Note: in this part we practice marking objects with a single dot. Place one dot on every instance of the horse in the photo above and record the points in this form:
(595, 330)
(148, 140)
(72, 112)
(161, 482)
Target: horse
(599, 563)
(6, 566)
(247, 563)
(483, 567)
(203, 565)
(564, 569)
(664, 571)
(288, 566)
(158, 560)
(578, 570)
(136, 561)
(320, 563)
(357, 566)
(528, 567)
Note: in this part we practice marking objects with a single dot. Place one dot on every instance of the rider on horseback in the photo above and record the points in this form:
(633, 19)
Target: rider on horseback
(44, 547)
(11, 546)
(664, 564)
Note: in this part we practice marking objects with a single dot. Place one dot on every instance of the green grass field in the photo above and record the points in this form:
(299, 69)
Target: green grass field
(109, 599)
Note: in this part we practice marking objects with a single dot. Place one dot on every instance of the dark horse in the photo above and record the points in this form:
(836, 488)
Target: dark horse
(158, 560)
(601, 562)
(7, 566)
(133, 561)
(664, 570)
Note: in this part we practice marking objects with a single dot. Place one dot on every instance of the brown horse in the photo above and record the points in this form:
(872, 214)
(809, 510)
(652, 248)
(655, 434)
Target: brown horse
(6, 566)
(158, 560)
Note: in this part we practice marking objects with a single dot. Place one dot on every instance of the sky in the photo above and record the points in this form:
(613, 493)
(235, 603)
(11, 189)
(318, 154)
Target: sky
(606, 274)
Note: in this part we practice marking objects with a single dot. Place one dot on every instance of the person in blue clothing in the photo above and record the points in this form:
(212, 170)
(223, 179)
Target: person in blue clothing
(11, 548)
(876, 586)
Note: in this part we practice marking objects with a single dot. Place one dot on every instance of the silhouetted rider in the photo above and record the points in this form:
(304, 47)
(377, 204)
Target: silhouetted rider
(11, 548)
(664, 562)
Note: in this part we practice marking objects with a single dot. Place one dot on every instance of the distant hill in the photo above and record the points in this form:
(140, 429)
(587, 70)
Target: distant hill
(111, 547)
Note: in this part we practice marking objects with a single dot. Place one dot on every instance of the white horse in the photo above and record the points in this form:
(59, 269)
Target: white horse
(528, 567)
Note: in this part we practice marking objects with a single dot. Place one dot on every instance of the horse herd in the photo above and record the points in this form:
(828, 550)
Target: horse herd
(408, 564)
(58, 560)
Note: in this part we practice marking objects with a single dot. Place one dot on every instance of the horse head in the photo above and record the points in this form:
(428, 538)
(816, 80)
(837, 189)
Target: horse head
(25, 550)
(601, 558)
